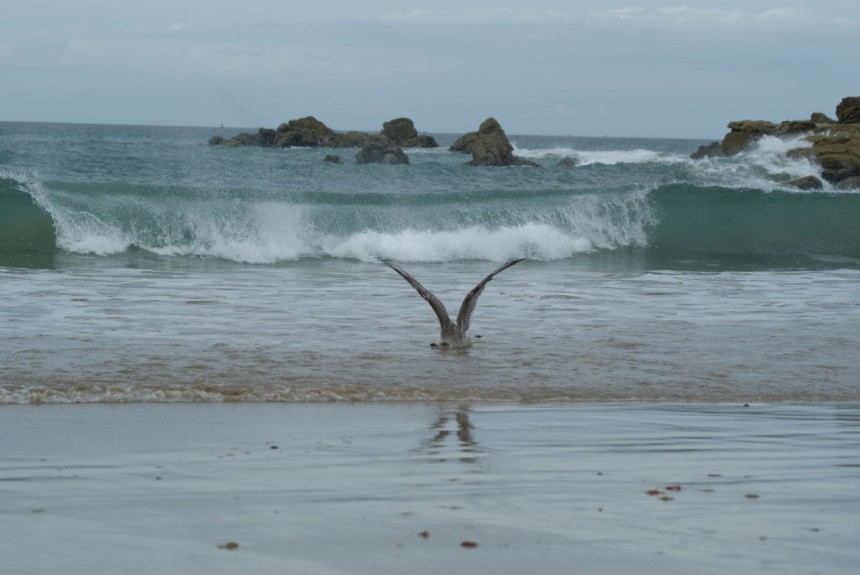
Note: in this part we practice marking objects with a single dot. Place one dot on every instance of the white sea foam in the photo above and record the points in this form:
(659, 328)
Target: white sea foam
(89, 235)
(269, 232)
(770, 154)
(537, 241)
(763, 166)
(605, 157)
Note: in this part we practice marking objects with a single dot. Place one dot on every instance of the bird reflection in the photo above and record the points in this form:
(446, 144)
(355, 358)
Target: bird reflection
(442, 428)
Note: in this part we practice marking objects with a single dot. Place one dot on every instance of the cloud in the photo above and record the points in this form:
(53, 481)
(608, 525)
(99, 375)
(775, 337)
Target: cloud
(179, 27)
(776, 18)
(472, 16)
(686, 15)
(628, 13)
(219, 59)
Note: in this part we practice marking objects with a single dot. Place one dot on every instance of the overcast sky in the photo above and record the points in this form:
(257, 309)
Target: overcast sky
(650, 68)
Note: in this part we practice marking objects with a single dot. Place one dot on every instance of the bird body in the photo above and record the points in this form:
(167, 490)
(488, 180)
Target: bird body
(453, 334)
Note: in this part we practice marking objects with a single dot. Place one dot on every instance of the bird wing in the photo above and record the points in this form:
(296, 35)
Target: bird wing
(438, 307)
(471, 299)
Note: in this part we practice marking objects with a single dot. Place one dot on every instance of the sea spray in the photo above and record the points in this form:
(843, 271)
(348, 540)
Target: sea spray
(535, 241)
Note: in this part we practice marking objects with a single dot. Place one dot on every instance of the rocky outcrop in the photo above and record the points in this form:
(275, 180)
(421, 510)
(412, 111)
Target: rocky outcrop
(264, 138)
(304, 132)
(821, 118)
(402, 132)
(310, 132)
(838, 155)
(805, 183)
(349, 140)
(852, 183)
(848, 110)
(711, 150)
(489, 146)
(745, 132)
(835, 146)
(332, 159)
(381, 150)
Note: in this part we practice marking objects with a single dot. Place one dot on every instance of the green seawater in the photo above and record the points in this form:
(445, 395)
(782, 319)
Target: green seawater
(122, 191)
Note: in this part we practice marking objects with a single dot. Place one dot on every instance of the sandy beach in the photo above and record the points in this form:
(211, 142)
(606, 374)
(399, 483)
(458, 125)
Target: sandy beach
(423, 488)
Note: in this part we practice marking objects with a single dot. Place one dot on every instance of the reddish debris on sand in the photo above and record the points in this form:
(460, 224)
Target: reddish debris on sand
(468, 544)
(425, 534)
(673, 488)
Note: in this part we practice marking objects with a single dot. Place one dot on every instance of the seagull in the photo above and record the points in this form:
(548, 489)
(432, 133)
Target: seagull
(453, 335)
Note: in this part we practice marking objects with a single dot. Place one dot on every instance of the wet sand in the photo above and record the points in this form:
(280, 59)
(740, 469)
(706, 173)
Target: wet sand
(422, 488)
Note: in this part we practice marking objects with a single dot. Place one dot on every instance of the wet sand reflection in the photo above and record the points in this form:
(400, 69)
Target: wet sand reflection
(454, 420)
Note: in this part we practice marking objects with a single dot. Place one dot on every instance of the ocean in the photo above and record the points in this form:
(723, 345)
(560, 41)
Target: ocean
(139, 264)
(206, 367)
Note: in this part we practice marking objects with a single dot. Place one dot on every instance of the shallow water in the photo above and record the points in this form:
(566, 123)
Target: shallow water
(140, 264)
(346, 488)
(334, 330)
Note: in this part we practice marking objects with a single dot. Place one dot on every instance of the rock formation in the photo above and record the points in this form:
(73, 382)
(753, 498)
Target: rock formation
(848, 110)
(306, 132)
(381, 150)
(805, 183)
(835, 145)
(402, 132)
(332, 159)
(310, 132)
(489, 146)
(852, 183)
(264, 137)
(350, 139)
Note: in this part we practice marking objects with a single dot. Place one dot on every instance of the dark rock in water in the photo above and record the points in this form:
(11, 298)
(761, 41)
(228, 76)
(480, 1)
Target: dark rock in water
(266, 137)
(464, 143)
(350, 139)
(744, 133)
(490, 147)
(421, 141)
(567, 162)
(850, 183)
(801, 153)
(333, 159)
(402, 132)
(835, 145)
(837, 176)
(713, 149)
(381, 150)
(805, 183)
(399, 130)
(838, 154)
(310, 132)
(304, 132)
(848, 110)
(263, 138)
